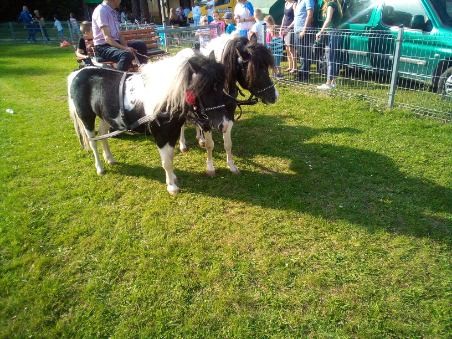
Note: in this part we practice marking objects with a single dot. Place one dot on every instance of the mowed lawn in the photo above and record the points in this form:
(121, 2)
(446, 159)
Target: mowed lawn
(339, 224)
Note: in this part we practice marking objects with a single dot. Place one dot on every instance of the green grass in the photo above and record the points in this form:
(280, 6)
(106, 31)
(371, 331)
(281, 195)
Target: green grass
(339, 224)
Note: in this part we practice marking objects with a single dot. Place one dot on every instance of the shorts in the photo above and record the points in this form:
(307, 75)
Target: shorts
(288, 38)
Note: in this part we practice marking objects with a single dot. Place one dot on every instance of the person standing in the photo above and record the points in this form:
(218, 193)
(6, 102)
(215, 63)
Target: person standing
(218, 24)
(244, 17)
(108, 42)
(230, 23)
(40, 20)
(286, 32)
(196, 14)
(59, 27)
(275, 43)
(258, 29)
(26, 18)
(210, 7)
(74, 26)
(332, 13)
(304, 36)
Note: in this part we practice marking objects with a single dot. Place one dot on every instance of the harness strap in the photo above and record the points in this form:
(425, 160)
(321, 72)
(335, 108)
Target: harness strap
(139, 122)
(121, 96)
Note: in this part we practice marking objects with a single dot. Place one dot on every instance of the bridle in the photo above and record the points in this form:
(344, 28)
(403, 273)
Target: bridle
(198, 115)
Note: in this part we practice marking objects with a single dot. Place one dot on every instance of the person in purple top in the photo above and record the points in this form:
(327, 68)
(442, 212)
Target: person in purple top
(108, 42)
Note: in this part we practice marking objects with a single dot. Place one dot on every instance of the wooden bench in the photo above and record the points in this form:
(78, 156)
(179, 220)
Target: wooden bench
(148, 36)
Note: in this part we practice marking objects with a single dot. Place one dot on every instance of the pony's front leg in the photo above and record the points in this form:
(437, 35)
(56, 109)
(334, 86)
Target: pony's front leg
(93, 144)
(200, 137)
(228, 148)
(167, 155)
(209, 147)
(103, 129)
(182, 142)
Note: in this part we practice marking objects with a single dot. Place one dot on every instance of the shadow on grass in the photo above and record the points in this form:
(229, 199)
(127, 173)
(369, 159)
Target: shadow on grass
(329, 181)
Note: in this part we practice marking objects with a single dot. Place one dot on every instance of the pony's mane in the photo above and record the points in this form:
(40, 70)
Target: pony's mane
(225, 48)
(260, 58)
(165, 84)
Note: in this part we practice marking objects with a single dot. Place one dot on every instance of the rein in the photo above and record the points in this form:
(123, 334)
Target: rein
(200, 117)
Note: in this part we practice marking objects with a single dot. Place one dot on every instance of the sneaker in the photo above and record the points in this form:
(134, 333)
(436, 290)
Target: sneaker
(326, 87)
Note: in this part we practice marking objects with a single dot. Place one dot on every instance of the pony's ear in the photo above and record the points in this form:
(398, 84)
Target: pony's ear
(195, 68)
(212, 56)
(253, 38)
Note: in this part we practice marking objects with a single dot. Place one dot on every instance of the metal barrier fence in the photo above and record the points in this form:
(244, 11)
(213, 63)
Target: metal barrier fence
(39, 33)
(393, 68)
(389, 68)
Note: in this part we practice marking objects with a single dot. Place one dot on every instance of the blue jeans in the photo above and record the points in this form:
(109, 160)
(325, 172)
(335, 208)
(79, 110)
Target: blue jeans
(31, 32)
(303, 46)
(334, 54)
(122, 58)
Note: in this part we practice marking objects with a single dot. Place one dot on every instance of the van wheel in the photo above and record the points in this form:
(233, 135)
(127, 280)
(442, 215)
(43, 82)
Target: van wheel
(445, 83)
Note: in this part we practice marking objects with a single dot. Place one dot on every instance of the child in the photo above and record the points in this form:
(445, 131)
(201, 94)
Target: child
(204, 32)
(82, 48)
(275, 43)
(258, 28)
(59, 27)
(230, 23)
(217, 23)
(196, 14)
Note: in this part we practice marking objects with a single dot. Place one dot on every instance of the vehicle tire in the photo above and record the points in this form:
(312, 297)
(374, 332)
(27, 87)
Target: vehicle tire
(445, 83)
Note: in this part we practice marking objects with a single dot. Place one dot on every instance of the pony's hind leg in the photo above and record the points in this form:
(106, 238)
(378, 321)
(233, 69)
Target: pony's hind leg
(209, 147)
(228, 148)
(182, 142)
(103, 129)
(93, 144)
(167, 155)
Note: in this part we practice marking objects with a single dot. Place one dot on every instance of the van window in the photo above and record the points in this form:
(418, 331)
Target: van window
(444, 10)
(359, 11)
(396, 12)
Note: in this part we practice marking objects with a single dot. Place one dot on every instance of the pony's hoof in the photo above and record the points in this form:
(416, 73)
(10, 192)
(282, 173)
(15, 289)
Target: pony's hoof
(184, 149)
(112, 161)
(100, 171)
(202, 143)
(234, 170)
(172, 189)
(210, 173)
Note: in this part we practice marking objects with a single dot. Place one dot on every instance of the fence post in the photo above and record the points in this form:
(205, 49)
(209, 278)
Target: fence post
(13, 34)
(165, 41)
(69, 26)
(395, 68)
(265, 33)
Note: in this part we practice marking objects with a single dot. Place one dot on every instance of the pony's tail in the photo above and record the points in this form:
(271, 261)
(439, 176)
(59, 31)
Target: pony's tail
(78, 125)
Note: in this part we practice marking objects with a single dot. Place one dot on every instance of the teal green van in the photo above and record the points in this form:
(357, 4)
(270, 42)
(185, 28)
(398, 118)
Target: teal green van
(426, 54)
